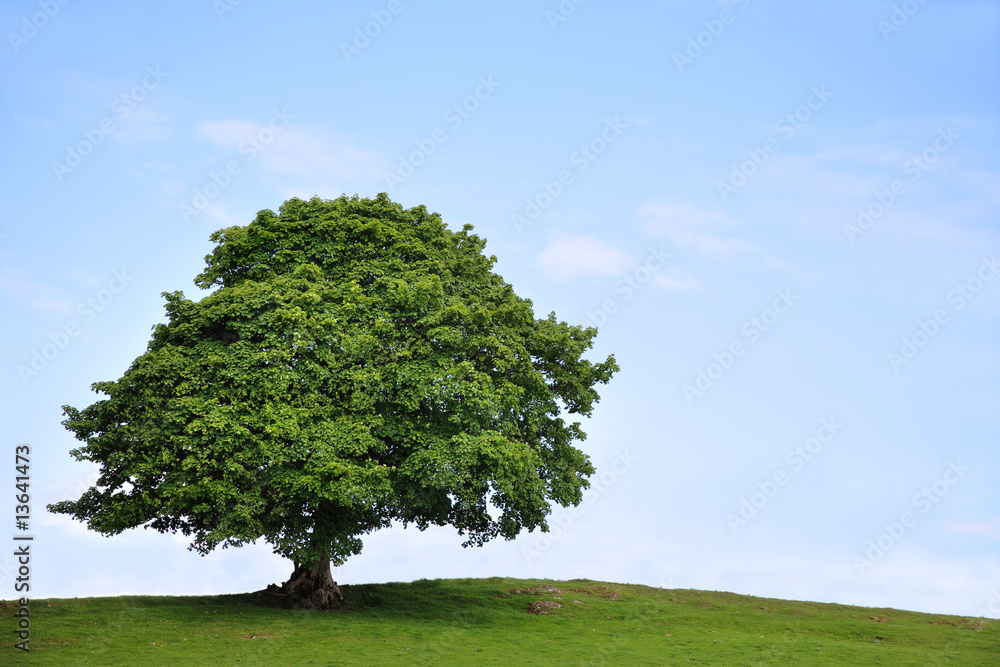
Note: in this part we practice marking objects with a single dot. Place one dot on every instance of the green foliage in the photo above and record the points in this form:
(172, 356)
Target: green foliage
(481, 622)
(357, 364)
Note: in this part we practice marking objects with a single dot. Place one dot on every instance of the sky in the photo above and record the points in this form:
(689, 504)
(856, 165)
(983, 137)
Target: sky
(781, 215)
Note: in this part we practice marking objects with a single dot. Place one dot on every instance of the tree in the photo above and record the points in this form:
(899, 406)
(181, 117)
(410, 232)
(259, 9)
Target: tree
(357, 364)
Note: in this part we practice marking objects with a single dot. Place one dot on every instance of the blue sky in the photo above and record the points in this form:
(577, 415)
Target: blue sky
(782, 215)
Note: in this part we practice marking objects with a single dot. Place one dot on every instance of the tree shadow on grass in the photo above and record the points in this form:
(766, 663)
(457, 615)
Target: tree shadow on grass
(475, 602)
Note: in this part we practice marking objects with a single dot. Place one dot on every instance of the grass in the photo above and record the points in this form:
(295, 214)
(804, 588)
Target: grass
(486, 622)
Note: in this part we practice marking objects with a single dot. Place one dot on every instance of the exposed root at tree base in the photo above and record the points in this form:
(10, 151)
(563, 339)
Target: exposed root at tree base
(307, 588)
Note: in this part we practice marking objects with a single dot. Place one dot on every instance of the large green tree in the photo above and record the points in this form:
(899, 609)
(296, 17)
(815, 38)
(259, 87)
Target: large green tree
(356, 364)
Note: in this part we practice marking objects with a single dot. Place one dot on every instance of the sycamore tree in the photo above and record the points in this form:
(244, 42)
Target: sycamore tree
(356, 364)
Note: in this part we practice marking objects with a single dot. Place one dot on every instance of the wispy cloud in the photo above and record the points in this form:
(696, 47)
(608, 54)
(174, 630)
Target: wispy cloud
(983, 527)
(690, 227)
(21, 288)
(675, 281)
(226, 134)
(570, 256)
(143, 126)
(303, 153)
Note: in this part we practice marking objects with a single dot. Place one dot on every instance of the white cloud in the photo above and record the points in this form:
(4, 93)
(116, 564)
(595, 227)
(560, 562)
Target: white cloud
(175, 189)
(675, 281)
(227, 134)
(221, 215)
(569, 256)
(22, 288)
(986, 527)
(291, 160)
(306, 154)
(688, 227)
(783, 265)
(142, 126)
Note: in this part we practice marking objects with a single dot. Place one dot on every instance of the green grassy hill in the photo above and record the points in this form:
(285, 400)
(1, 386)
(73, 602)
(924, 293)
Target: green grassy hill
(488, 622)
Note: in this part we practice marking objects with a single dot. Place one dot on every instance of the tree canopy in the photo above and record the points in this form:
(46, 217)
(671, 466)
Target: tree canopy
(357, 364)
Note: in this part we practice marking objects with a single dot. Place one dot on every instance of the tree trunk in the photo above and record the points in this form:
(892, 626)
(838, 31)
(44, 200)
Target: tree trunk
(307, 588)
